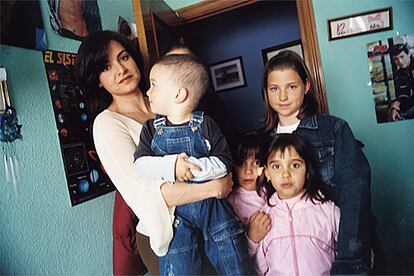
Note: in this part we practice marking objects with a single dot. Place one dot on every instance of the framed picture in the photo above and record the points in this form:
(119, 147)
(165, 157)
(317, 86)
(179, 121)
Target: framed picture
(361, 23)
(270, 52)
(227, 74)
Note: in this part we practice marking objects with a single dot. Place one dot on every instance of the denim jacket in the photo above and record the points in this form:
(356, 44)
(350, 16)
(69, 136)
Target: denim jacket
(345, 169)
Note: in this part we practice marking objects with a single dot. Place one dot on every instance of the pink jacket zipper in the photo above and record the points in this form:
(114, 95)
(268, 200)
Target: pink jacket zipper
(292, 239)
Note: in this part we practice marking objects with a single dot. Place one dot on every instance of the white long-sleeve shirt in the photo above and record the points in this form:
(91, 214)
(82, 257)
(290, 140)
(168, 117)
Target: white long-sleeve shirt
(116, 138)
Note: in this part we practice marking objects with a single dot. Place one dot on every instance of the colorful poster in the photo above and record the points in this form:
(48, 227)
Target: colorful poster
(86, 178)
(74, 18)
(22, 25)
(391, 66)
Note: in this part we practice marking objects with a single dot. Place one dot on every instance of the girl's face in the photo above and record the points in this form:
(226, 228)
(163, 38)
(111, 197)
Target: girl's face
(286, 92)
(121, 74)
(248, 173)
(287, 173)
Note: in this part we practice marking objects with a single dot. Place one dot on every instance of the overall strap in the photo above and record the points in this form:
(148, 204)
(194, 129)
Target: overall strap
(196, 119)
(159, 122)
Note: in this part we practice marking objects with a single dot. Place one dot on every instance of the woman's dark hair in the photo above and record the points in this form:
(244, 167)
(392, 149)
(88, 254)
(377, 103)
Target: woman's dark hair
(244, 145)
(288, 60)
(314, 187)
(90, 62)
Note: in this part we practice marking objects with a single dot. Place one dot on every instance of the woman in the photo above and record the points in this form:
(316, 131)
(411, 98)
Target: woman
(107, 72)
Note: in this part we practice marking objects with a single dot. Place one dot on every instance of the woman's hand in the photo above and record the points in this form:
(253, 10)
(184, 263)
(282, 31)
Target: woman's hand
(181, 193)
(221, 187)
(259, 225)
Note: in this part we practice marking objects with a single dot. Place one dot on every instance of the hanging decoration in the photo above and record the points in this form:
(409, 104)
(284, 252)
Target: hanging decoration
(9, 132)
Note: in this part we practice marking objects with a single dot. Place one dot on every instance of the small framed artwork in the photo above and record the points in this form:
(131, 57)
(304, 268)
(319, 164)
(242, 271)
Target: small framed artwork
(228, 74)
(270, 52)
(360, 23)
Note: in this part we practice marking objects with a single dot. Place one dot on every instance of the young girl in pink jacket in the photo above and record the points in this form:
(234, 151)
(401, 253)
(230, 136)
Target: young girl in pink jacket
(304, 223)
(246, 197)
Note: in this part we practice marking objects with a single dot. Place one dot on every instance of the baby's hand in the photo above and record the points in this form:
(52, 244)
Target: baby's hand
(259, 226)
(183, 167)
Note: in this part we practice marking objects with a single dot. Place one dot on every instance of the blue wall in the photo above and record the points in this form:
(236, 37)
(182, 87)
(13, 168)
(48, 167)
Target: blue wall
(388, 146)
(245, 33)
(40, 232)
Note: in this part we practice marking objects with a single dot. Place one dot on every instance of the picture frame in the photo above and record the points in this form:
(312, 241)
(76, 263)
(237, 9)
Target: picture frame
(228, 74)
(270, 52)
(360, 23)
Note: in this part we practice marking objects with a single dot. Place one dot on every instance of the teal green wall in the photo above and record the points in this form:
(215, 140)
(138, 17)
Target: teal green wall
(40, 232)
(178, 4)
(389, 146)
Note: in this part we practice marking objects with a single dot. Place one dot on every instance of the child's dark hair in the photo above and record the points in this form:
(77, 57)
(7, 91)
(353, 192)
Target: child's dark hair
(90, 62)
(288, 60)
(178, 47)
(247, 144)
(314, 187)
(244, 145)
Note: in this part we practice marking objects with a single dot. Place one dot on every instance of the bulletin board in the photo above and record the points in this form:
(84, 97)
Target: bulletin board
(85, 175)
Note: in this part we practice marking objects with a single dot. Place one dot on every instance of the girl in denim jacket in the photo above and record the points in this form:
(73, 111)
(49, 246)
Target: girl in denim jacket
(291, 106)
(304, 223)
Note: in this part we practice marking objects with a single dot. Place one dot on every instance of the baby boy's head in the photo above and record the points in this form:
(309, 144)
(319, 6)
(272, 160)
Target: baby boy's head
(186, 72)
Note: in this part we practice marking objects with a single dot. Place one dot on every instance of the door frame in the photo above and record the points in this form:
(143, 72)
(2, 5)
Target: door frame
(204, 9)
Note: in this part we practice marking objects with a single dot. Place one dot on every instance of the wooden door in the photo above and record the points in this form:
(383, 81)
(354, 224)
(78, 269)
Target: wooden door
(308, 34)
(157, 26)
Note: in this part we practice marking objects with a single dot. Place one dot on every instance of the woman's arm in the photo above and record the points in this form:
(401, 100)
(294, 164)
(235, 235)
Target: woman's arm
(115, 140)
(183, 193)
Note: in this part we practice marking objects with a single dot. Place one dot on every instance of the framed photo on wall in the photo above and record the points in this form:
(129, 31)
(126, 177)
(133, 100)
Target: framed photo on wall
(227, 74)
(270, 52)
(360, 24)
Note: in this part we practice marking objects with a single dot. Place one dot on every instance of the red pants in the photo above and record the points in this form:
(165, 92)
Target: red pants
(126, 259)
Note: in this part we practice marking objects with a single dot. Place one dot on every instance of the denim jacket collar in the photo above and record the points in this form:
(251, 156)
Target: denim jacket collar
(310, 122)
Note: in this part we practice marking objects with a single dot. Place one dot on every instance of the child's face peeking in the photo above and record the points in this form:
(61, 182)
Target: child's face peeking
(287, 173)
(248, 172)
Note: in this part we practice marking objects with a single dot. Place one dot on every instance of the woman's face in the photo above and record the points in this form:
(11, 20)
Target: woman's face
(121, 74)
(286, 92)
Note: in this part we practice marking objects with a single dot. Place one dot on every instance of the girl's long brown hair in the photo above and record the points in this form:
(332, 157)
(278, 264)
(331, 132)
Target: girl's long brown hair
(288, 60)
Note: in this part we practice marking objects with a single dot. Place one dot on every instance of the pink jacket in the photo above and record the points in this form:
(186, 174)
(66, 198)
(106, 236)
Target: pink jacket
(302, 240)
(245, 203)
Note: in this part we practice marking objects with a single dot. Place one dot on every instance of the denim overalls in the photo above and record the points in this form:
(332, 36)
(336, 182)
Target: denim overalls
(212, 219)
